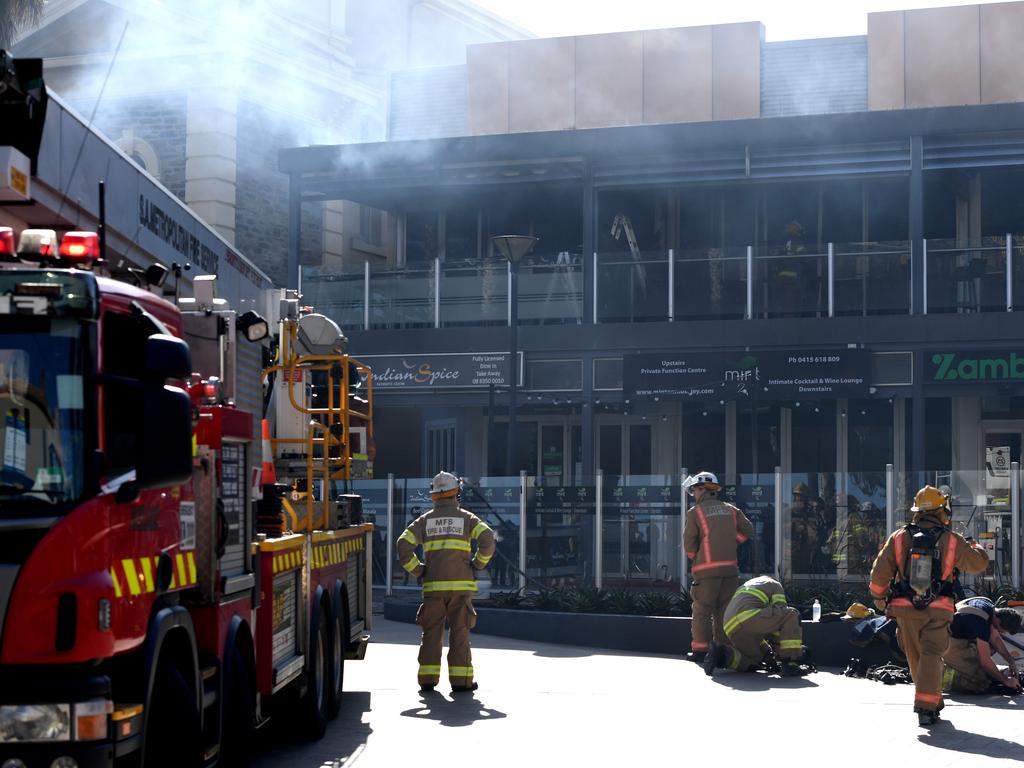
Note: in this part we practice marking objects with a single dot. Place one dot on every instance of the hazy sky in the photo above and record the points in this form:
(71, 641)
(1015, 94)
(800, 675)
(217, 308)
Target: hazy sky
(783, 19)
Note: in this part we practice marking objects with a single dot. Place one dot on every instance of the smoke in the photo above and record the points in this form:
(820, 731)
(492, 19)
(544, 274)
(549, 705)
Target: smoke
(264, 53)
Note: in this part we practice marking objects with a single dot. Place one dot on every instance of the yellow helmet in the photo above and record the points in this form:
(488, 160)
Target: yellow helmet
(930, 500)
(858, 611)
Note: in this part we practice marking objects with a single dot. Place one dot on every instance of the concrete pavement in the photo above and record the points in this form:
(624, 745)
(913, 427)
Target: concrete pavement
(542, 704)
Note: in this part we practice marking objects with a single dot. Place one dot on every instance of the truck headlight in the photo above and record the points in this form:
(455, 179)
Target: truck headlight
(35, 722)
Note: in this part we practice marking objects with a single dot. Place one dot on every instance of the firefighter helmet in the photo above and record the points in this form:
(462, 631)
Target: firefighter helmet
(445, 485)
(706, 480)
(930, 500)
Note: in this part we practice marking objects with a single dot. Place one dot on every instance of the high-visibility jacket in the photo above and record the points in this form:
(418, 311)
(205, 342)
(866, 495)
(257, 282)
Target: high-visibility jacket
(761, 596)
(446, 534)
(889, 569)
(713, 531)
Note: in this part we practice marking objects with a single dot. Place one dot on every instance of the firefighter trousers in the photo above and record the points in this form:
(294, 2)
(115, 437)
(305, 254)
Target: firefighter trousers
(963, 673)
(455, 608)
(711, 595)
(924, 637)
(777, 630)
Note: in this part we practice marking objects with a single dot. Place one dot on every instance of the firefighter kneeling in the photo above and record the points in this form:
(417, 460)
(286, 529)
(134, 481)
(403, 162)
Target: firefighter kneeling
(977, 628)
(912, 581)
(764, 631)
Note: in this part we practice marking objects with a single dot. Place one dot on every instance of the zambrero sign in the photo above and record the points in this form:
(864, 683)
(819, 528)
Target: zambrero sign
(970, 367)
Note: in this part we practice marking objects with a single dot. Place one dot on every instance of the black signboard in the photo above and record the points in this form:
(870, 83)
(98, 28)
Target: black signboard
(737, 375)
(468, 370)
(975, 367)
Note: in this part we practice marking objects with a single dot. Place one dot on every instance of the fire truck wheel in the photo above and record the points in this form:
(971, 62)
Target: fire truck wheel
(173, 737)
(337, 660)
(316, 702)
(239, 712)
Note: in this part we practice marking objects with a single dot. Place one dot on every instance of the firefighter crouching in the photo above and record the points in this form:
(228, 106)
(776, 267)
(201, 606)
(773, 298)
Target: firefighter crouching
(977, 628)
(912, 581)
(446, 534)
(712, 532)
(763, 628)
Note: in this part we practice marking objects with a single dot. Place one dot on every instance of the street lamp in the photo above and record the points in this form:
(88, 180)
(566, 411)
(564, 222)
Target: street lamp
(513, 248)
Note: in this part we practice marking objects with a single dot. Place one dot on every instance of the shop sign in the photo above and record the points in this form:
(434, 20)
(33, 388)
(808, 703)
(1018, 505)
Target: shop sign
(738, 375)
(468, 370)
(971, 367)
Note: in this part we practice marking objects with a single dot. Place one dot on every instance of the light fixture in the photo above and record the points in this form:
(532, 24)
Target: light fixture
(253, 326)
(514, 247)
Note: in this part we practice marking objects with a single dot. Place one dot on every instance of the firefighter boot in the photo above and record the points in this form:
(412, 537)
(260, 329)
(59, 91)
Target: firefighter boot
(709, 659)
(426, 687)
(926, 718)
(793, 669)
(464, 688)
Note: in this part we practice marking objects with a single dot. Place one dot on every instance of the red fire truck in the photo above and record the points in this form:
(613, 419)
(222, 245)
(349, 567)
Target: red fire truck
(154, 610)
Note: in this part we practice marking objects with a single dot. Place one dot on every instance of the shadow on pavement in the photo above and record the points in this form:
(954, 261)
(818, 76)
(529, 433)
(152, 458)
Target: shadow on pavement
(944, 735)
(347, 734)
(758, 681)
(458, 711)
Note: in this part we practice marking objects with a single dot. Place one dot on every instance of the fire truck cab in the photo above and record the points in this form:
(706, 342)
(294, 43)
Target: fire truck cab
(143, 619)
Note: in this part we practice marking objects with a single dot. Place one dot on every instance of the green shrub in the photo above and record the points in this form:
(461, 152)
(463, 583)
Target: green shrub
(583, 599)
(659, 604)
(507, 599)
(622, 601)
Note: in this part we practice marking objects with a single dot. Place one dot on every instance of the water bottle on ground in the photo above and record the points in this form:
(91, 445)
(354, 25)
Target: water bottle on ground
(816, 610)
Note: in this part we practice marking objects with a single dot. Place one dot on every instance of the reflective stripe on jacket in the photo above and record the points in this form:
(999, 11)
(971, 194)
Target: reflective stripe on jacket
(446, 533)
(954, 550)
(713, 531)
(756, 597)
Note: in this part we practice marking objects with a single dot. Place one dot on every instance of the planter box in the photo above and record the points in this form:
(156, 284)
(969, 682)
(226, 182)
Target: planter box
(669, 635)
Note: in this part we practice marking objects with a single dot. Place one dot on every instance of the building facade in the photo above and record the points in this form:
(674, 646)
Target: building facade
(203, 95)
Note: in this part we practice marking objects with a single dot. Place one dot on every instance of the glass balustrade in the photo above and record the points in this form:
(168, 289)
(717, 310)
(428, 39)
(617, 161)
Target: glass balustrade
(495, 500)
(551, 291)
(755, 495)
(871, 278)
(710, 284)
(808, 527)
(474, 293)
(632, 289)
(641, 532)
(338, 295)
(402, 298)
(560, 532)
(375, 510)
(790, 284)
(964, 278)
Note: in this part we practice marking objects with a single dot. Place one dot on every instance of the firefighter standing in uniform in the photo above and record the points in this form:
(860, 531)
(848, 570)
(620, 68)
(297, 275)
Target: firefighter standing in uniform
(912, 581)
(977, 628)
(712, 532)
(761, 625)
(446, 534)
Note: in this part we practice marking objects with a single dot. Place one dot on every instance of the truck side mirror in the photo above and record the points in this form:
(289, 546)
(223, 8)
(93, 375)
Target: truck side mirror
(166, 357)
(165, 439)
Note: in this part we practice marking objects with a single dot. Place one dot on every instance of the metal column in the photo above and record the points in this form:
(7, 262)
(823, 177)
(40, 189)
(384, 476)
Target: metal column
(671, 286)
(522, 529)
(598, 528)
(389, 553)
(366, 295)
(1009, 272)
(684, 572)
(750, 282)
(778, 523)
(890, 498)
(437, 292)
(831, 281)
(595, 288)
(1015, 523)
(924, 277)
(294, 230)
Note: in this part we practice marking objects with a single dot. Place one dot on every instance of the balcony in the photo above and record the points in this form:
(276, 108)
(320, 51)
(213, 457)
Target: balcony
(838, 280)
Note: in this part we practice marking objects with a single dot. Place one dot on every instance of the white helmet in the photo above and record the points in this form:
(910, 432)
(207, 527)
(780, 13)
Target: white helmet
(702, 479)
(445, 483)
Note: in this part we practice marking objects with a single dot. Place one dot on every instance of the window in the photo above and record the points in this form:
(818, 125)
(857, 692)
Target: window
(371, 225)
(122, 403)
(554, 375)
(608, 373)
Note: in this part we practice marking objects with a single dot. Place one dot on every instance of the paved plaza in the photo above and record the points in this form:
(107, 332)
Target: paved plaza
(542, 704)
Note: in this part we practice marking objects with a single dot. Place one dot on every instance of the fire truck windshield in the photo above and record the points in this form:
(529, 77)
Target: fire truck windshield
(42, 405)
